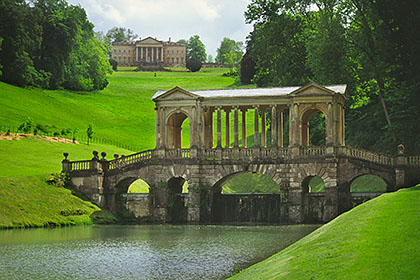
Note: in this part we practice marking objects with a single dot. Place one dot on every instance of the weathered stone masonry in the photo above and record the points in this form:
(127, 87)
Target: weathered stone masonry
(206, 165)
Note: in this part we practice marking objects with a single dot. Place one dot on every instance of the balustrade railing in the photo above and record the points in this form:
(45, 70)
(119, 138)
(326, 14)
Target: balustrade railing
(241, 153)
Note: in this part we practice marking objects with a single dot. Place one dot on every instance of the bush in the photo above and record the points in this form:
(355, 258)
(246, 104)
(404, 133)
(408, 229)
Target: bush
(114, 64)
(194, 64)
(247, 69)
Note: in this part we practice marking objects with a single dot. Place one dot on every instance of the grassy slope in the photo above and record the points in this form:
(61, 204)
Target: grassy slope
(30, 201)
(35, 155)
(123, 111)
(379, 239)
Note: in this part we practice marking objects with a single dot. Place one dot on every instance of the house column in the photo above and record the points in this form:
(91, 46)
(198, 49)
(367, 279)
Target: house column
(256, 128)
(161, 54)
(280, 128)
(153, 54)
(227, 128)
(147, 54)
(263, 129)
(329, 129)
(137, 54)
(244, 128)
(219, 127)
(235, 128)
(273, 125)
(141, 54)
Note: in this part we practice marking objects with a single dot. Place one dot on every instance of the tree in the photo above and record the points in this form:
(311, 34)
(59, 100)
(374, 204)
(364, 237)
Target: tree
(232, 59)
(227, 45)
(182, 41)
(89, 133)
(247, 69)
(195, 49)
(120, 34)
(210, 58)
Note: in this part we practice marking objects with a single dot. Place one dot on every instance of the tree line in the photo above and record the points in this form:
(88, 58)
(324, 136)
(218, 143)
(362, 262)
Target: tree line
(50, 44)
(371, 46)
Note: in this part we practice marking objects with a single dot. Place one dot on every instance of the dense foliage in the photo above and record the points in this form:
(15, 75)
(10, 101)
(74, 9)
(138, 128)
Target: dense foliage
(120, 34)
(196, 49)
(228, 46)
(50, 44)
(368, 45)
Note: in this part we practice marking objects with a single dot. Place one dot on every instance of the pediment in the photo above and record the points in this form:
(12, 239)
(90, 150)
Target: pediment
(149, 41)
(176, 93)
(312, 89)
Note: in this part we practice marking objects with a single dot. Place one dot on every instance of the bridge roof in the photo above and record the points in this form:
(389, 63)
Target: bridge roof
(252, 92)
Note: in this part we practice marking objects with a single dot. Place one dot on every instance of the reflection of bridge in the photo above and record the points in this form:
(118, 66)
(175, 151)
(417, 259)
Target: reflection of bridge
(206, 167)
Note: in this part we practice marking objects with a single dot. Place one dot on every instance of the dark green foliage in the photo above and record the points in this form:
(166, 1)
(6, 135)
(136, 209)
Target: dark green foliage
(194, 64)
(195, 49)
(228, 45)
(247, 69)
(89, 132)
(114, 64)
(50, 44)
(120, 34)
(368, 45)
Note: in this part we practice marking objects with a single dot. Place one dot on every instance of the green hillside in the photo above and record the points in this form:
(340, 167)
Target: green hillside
(379, 239)
(32, 202)
(123, 112)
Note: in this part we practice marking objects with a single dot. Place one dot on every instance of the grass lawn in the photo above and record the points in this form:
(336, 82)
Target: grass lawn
(123, 111)
(34, 155)
(379, 239)
(31, 201)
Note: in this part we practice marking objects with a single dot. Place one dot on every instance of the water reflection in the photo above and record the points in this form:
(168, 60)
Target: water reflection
(139, 252)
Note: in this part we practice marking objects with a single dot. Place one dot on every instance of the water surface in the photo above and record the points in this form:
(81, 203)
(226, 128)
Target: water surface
(140, 252)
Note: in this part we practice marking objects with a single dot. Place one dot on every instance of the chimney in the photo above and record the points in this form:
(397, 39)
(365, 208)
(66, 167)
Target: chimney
(169, 39)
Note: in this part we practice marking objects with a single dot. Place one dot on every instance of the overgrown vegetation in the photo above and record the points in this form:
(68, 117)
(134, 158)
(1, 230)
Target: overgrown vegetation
(365, 44)
(50, 44)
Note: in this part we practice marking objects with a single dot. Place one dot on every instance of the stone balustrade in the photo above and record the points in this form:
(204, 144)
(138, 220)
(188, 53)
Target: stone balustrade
(248, 154)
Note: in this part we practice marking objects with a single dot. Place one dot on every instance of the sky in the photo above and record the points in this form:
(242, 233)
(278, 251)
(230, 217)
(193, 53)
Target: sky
(212, 20)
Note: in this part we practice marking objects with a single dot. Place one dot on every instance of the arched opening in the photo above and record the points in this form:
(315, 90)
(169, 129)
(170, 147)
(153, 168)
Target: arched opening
(177, 200)
(313, 128)
(178, 127)
(313, 199)
(247, 197)
(368, 183)
(132, 199)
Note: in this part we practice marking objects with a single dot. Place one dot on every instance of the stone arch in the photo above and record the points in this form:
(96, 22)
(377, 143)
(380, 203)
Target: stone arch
(173, 125)
(387, 188)
(305, 116)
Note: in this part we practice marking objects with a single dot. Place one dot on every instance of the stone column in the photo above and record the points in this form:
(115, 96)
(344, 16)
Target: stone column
(273, 126)
(280, 128)
(227, 128)
(294, 135)
(219, 128)
(164, 129)
(157, 127)
(147, 54)
(329, 126)
(236, 127)
(244, 144)
(256, 128)
(161, 54)
(152, 58)
(263, 129)
(141, 54)
(137, 54)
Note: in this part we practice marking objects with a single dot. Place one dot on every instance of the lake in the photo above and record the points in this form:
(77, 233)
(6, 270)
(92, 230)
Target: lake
(140, 252)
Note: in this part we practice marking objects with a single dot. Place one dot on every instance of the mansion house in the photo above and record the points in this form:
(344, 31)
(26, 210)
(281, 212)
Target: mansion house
(149, 51)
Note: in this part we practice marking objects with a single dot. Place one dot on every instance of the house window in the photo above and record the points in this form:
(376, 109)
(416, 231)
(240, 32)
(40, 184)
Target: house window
(129, 51)
(119, 51)
(167, 60)
(177, 51)
(128, 60)
(115, 51)
(182, 60)
(125, 59)
(173, 51)
(182, 52)
(119, 60)
(177, 60)
(173, 60)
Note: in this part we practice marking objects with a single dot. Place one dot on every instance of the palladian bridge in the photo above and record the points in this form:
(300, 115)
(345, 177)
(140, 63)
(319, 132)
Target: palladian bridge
(208, 162)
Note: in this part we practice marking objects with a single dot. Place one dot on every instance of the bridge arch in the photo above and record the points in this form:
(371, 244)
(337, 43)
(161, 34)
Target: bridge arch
(369, 178)
(174, 123)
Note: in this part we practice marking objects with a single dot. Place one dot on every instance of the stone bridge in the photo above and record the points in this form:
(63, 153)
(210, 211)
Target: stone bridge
(206, 166)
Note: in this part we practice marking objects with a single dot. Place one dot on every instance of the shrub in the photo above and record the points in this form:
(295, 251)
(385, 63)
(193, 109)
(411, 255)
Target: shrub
(114, 64)
(194, 64)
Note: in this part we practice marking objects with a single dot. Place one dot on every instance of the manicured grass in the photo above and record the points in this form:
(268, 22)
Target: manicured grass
(250, 183)
(379, 239)
(123, 112)
(34, 155)
(32, 202)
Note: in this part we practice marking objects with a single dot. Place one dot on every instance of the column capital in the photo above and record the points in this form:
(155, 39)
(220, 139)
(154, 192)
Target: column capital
(273, 105)
(236, 107)
(256, 106)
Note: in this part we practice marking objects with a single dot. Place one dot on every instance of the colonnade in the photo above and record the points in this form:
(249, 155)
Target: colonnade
(276, 126)
(149, 54)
